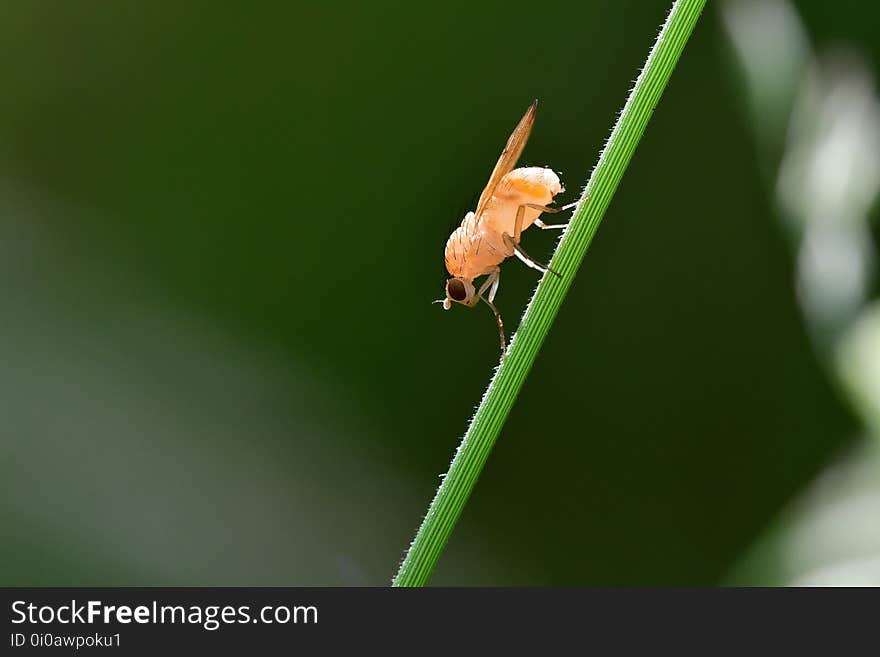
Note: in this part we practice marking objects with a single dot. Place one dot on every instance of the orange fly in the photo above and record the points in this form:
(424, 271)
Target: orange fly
(512, 201)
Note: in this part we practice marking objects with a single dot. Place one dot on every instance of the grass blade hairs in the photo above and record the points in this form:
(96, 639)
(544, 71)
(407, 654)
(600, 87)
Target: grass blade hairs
(504, 387)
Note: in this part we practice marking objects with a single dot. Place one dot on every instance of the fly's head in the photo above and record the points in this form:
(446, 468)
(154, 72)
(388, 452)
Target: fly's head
(459, 291)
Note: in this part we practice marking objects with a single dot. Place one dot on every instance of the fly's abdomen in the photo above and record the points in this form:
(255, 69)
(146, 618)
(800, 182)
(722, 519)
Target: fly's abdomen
(535, 185)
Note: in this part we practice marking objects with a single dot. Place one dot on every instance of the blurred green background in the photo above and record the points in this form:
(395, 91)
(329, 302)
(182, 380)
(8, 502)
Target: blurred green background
(221, 229)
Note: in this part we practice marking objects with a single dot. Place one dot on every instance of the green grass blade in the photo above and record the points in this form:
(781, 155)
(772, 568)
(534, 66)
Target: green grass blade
(499, 397)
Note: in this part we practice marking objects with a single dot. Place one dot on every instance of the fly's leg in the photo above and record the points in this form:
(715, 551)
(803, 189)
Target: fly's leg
(521, 213)
(531, 262)
(500, 325)
(540, 224)
(491, 283)
(526, 258)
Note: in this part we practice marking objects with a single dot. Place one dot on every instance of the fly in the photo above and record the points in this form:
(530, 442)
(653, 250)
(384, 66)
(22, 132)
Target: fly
(512, 201)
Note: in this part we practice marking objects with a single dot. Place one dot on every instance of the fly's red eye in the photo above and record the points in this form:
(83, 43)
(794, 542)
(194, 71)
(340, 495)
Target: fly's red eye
(456, 290)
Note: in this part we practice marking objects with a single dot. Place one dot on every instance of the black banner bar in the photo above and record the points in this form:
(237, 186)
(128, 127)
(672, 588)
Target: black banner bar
(146, 620)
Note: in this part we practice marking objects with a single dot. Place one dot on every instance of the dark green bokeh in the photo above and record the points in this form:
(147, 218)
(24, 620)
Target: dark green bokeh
(224, 228)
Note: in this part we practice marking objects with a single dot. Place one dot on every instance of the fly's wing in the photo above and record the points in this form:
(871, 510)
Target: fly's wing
(509, 155)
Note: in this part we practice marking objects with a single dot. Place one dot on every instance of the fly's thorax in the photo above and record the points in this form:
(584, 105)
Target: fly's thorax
(473, 251)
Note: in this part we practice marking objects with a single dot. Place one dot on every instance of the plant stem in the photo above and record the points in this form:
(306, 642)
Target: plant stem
(499, 397)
